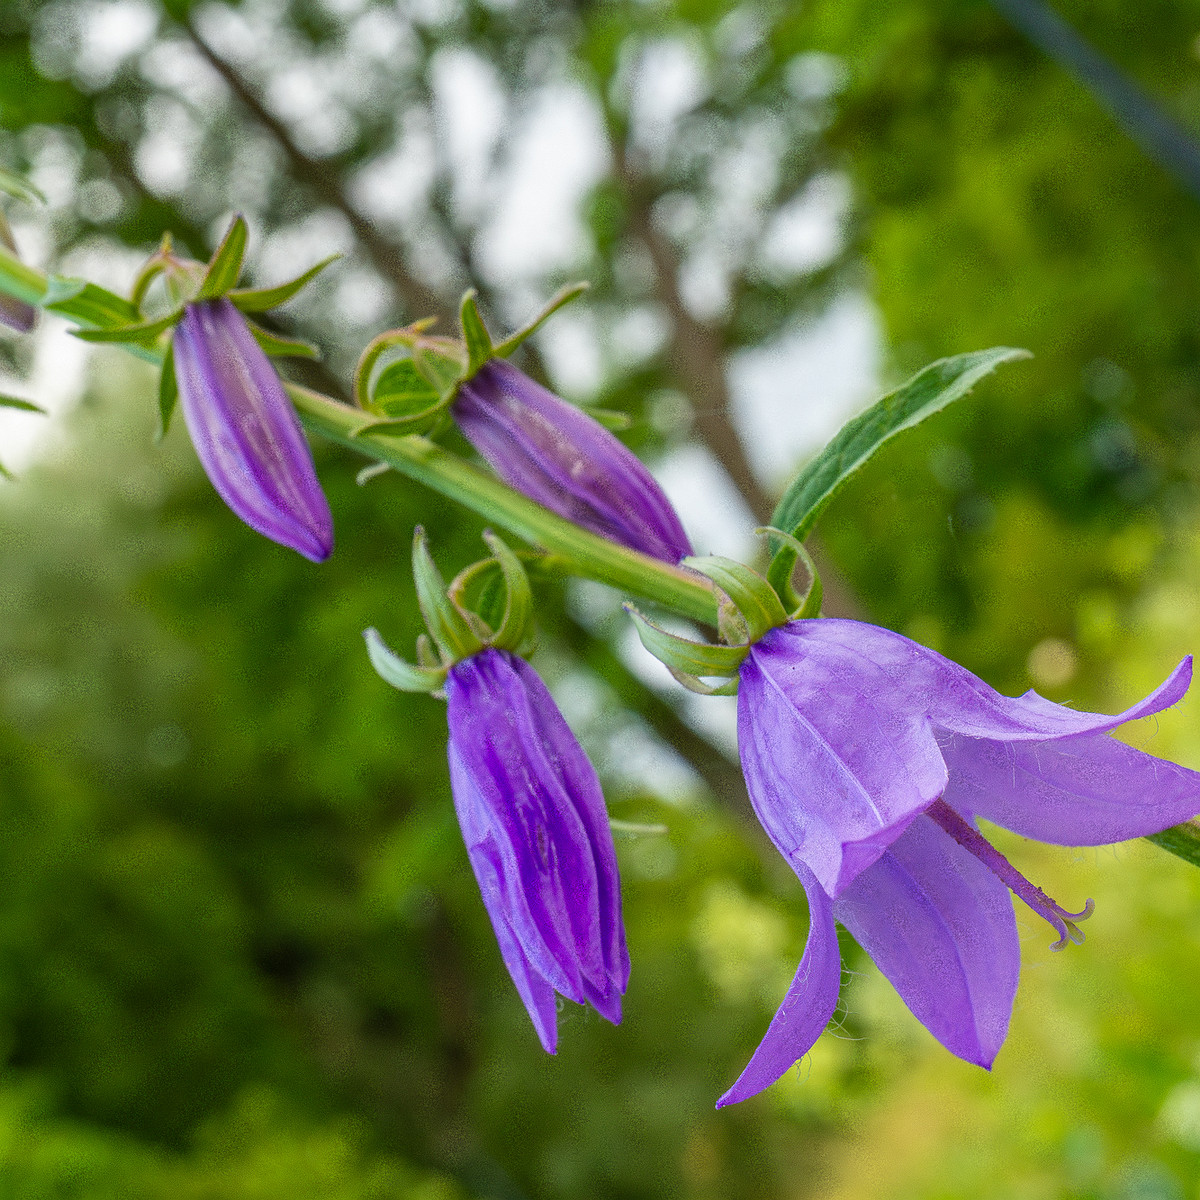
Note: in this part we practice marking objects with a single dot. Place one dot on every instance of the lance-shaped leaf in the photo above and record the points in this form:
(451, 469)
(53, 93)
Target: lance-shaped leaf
(925, 393)
(395, 670)
(21, 405)
(261, 299)
(225, 267)
(88, 303)
(168, 392)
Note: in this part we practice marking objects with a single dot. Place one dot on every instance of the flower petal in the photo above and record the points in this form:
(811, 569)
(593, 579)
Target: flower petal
(1087, 790)
(246, 432)
(559, 456)
(808, 1005)
(530, 805)
(836, 763)
(941, 927)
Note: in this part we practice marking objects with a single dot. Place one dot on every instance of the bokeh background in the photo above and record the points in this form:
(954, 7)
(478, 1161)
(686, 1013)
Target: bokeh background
(241, 953)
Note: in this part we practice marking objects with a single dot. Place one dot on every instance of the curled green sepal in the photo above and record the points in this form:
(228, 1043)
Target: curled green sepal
(261, 299)
(503, 609)
(401, 674)
(448, 625)
(688, 660)
(225, 266)
(757, 606)
(779, 574)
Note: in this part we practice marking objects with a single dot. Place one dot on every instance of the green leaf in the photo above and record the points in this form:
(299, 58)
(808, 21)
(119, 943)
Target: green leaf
(22, 405)
(260, 299)
(403, 391)
(168, 392)
(276, 346)
(610, 418)
(16, 279)
(1182, 840)
(475, 334)
(140, 331)
(88, 303)
(562, 296)
(924, 394)
(20, 187)
(225, 266)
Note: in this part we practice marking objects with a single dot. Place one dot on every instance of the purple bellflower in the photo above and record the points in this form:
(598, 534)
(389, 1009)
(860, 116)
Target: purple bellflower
(537, 835)
(868, 758)
(245, 431)
(556, 454)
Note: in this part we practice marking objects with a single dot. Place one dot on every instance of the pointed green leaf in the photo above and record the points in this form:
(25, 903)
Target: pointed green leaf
(22, 405)
(475, 334)
(562, 296)
(225, 266)
(752, 595)
(139, 331)
(88, 303)
(684, 655)
(925, 393)
(19, 187)
(17, 280)
(277, 346)
(168, 392)
(261, 299)
(400, 674)
(1182, 840)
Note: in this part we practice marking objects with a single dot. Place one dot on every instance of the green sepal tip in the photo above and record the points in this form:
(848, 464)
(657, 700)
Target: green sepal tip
(475, 335)
(225, 266)
(275, 345)
(21, 405)
(560, 298)
(399, 673)
(686, 659)
(452, 633)
(168, 393)
(261, 299)
(779, 574)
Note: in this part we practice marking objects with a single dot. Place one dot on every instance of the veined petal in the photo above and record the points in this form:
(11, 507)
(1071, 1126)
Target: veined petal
(557, 455)
(1087, 790)
(835, 765)
(246, 432)
(808, 1005)
(941, 927)
(921, 680)
(536, 829)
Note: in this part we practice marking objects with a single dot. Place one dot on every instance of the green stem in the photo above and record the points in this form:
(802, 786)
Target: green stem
(586, 553)
(577, 551)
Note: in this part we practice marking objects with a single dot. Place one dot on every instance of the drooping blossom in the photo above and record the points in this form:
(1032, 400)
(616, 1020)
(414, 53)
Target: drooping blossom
(868, 758)
(245, 430)
(14, 313)
(556, 454)
(537, 835)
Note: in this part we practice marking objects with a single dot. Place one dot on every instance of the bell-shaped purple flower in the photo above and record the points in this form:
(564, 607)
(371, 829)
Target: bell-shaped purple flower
(559, 456)
(868, 758)
(537, 835)
(245, 430)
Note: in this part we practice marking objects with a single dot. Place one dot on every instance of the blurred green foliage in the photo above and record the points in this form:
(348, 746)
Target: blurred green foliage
(241, 954)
